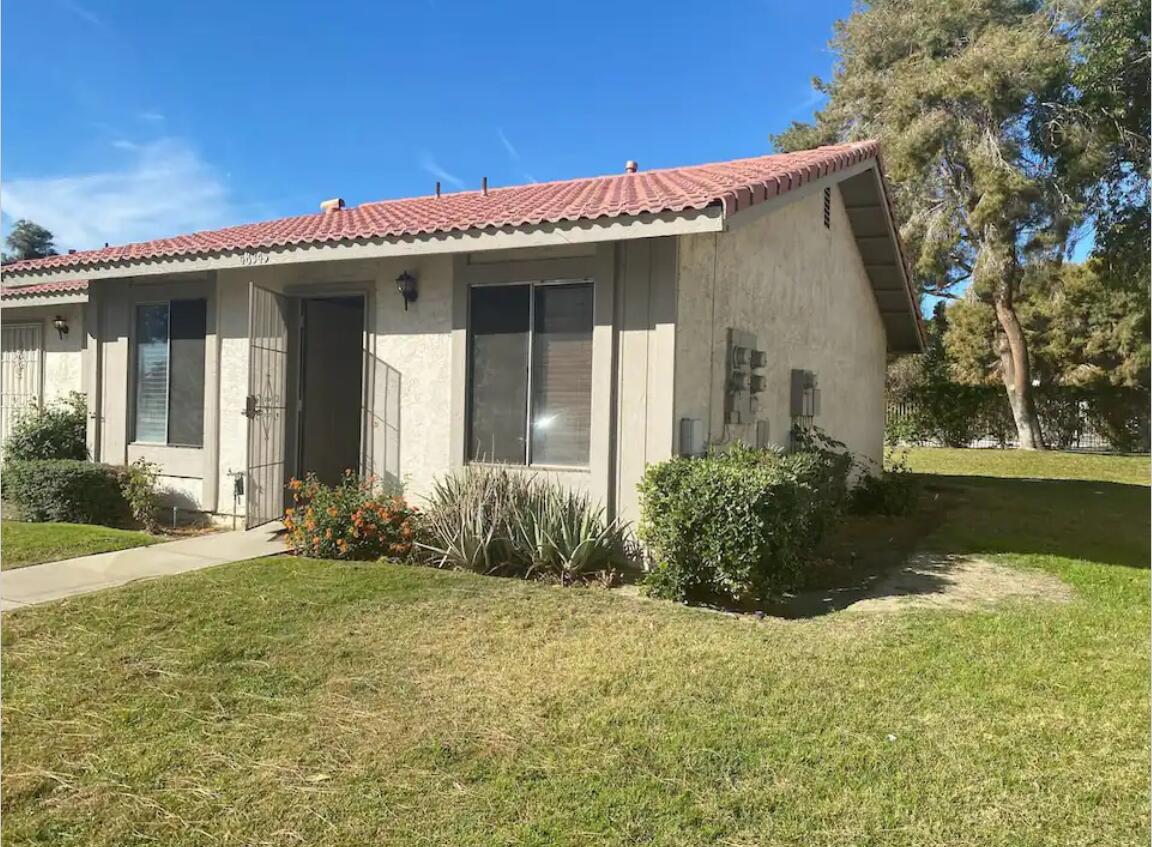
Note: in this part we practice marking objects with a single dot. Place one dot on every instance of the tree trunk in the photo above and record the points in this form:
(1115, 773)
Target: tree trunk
(998, 270)
(1017, 374)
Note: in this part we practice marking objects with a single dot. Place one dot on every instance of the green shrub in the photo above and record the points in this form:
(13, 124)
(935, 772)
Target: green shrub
(351, 520)
(66, 490)
(737, 528)
(54, 431)
(891, 490)
(955, 415)
(1122, 417)
(496, 521)
(138, 485)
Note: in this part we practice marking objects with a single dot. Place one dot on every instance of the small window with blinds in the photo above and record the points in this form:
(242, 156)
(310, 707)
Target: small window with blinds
(169, 374)
(530, 373)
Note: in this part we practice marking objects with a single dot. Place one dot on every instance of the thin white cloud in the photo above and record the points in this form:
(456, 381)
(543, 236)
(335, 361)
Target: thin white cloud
(165, 188)
(508, 145)
(814, 98)
(151, 117)
(84, 13)
(429, 164)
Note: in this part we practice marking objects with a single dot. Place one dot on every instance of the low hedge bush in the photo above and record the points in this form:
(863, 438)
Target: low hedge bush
(55, 431)
(138, 484)
(736, 528)
(351, 520)
(956, 415)
(891, 490)
(66, 490)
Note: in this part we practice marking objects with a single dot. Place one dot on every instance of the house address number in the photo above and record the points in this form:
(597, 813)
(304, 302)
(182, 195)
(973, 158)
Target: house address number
(249, 259)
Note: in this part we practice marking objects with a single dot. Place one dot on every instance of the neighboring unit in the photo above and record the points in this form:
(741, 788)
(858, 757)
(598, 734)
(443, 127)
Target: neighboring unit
(42, 343)
(580, 329)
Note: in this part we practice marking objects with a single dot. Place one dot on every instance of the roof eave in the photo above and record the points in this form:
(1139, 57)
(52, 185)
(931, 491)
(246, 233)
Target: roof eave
(618, 228)
(26, 301)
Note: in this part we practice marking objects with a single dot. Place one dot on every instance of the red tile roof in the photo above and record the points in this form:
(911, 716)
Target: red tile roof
(732, 185)
(45, 289)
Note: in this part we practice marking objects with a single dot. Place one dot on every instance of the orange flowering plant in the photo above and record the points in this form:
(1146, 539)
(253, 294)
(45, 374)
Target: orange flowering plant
(351, 520)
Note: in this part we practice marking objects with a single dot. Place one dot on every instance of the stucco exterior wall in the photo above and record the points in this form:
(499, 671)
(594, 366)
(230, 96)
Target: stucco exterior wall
(186, 473)
(62, 362)
(415, 342)
(802, 289)
(632, 361)
(646, 352)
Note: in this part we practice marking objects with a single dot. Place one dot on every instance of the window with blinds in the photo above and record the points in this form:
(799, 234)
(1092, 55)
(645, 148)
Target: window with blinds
(530, 373)
(169, 376)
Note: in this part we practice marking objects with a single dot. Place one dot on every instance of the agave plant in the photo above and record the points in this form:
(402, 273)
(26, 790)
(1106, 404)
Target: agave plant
(499, 521)
(465, 527)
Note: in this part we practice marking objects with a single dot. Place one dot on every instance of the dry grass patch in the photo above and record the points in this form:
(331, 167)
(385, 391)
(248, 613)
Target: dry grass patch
(940, 581)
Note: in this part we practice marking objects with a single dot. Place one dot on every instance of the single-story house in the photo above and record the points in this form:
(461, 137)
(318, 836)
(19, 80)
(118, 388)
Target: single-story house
(580, 329)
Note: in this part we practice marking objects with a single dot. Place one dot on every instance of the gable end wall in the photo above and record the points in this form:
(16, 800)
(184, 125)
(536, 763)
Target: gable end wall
(802, 290)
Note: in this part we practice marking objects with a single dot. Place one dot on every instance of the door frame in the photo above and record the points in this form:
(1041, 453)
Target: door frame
(324, 293)
(362, 288)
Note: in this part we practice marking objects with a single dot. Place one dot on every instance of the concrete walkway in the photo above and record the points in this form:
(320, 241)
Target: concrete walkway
(54, 580)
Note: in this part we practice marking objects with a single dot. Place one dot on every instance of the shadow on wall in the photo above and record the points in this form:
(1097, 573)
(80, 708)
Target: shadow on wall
(177, 509)
(382, 433)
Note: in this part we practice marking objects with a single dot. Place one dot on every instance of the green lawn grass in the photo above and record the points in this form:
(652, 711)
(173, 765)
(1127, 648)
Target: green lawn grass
(24, 544)
(1047, 464)
(288, 702)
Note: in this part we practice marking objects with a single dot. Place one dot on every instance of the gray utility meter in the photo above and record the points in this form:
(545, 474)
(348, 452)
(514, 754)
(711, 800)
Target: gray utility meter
(745, 378)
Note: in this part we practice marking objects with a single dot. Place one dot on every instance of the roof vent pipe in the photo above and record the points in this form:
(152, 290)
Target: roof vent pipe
(630, 166)
(437, 188)
(484, 186)
(333, 205)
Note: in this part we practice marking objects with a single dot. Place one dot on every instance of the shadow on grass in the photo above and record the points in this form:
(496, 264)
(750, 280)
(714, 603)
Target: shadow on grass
(1101, 522)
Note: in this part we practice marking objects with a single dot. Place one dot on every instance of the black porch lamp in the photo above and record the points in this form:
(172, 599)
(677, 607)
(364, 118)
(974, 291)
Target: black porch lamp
(61, 325)
(406, 285)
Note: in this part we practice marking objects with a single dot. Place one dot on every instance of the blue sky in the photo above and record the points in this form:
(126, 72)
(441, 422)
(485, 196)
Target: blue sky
(130, 120)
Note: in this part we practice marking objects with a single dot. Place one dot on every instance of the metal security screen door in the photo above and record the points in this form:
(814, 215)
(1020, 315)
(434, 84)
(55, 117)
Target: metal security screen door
(21, 347)
(380, 446)
(266, 405)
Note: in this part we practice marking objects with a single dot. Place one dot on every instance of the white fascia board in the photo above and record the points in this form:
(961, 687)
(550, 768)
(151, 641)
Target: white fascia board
(468, 241)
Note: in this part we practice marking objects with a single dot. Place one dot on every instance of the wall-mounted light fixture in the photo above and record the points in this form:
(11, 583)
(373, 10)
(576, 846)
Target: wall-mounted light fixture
(406, 285)
(61, 325)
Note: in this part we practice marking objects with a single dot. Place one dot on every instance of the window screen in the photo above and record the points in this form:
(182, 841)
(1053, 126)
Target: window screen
(562, 374)
(170, 372)
(152, 373)
(498, 372)
(186, 386)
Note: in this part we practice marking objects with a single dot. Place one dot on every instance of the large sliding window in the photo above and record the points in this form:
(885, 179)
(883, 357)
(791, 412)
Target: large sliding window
(169, 377)
(530, 373)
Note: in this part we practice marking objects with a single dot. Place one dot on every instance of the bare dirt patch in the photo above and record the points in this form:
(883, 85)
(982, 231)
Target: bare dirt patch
(933, 580)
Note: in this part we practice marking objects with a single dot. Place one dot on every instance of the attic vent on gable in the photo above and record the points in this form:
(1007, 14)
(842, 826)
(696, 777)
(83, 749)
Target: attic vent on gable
(828, 207)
